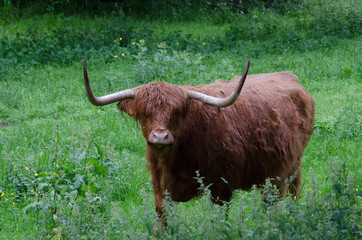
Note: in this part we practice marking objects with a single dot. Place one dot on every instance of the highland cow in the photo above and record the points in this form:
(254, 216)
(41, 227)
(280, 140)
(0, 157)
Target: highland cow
(233, 142)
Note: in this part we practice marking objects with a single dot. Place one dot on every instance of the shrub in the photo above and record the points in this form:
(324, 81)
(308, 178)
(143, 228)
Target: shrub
(333, 18)
(63, 44)
(312, 27)
(165, 64)
(334, 214)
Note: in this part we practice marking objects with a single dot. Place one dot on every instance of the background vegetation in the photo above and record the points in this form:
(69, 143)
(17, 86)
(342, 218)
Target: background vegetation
(70, 170)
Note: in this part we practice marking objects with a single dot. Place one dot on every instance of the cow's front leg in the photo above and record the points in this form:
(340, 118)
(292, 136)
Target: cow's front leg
(160, 210)
(159, 197)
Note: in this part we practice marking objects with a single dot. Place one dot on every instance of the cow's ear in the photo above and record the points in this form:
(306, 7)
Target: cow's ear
(128, 106)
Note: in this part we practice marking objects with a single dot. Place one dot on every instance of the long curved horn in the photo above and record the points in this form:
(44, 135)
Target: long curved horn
(107, 99)
(220, 102)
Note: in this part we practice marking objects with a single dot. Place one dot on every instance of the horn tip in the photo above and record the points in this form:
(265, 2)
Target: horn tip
(247, 67)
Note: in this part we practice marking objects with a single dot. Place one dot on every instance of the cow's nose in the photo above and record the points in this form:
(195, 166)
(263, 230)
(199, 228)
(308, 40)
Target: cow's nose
(160, 137)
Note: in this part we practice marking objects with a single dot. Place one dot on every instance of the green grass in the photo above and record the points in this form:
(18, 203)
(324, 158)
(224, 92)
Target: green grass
(68, 168)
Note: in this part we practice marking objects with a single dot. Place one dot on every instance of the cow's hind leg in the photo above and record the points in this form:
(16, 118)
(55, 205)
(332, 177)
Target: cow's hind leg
(296, 184)
(272, 190)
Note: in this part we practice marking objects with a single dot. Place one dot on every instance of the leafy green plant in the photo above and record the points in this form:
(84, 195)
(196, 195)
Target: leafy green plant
(165, 64)
(62, 44)
(348, 121)
(346, 124)
(338, 18)
(331, 215)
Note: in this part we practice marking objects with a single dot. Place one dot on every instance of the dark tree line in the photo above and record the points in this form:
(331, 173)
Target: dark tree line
(150, 8)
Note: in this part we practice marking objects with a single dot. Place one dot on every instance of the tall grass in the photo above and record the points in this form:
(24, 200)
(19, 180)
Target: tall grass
(71, 170)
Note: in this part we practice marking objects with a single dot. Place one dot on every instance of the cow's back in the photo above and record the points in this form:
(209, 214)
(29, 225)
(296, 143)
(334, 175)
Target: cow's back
(263, 133)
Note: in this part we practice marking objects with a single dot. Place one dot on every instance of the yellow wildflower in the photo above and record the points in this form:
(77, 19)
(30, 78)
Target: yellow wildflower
(12, 194)
(54, 173)
(122, 54)
(44, 87)
(140, 41)
(35, 174)
(31, 98)
(2, 194)
(120, 38)
(15, 166)
(133, 43)
(177, 44)
(32, 190)
(115, 56)
(26, 168)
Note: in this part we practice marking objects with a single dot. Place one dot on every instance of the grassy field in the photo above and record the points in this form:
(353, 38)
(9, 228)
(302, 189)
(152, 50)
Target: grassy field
(70, 170)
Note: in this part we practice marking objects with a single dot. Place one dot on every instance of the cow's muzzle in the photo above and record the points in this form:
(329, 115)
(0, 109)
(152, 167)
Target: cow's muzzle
(160, 137)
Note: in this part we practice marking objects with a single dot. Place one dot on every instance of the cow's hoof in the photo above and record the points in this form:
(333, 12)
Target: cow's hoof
(158, 230)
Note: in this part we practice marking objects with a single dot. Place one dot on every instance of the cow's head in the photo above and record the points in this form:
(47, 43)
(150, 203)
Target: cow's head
(160, 107)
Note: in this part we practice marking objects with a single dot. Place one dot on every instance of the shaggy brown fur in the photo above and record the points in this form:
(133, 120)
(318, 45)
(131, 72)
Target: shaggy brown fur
(262, 135)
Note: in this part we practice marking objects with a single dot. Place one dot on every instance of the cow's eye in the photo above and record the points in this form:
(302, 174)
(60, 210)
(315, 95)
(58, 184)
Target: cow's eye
(176, 114)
